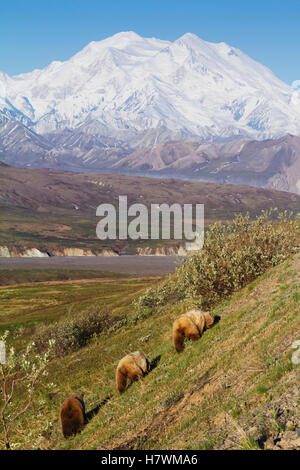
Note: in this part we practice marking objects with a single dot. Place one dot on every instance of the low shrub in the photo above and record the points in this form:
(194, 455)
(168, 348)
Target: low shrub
(73, 331)
(233, 255)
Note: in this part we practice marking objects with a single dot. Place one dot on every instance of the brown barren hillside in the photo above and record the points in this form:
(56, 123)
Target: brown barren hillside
(56, 191)
(42, 208)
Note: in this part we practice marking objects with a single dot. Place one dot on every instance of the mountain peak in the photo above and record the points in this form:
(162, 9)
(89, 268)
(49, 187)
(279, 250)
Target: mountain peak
(124, 41)
(188, 36)
(131, 35)
(190, 39)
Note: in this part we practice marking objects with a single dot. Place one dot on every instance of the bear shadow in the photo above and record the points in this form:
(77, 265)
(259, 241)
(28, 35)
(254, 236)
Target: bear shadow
(93, 412)
(154, 363)
(217, 319)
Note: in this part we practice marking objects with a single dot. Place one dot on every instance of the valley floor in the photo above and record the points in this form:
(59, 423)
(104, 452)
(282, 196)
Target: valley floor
(125, 264)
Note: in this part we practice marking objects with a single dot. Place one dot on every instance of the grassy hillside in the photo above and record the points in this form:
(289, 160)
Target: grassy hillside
(236, 387)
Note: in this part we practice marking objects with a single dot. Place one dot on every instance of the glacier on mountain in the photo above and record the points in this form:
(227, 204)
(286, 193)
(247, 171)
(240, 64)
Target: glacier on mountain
(127, 84)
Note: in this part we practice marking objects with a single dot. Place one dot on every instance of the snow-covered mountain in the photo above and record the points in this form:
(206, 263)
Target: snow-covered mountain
(126, 84)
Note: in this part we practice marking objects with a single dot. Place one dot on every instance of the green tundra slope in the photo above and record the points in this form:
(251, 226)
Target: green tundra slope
(235, 388)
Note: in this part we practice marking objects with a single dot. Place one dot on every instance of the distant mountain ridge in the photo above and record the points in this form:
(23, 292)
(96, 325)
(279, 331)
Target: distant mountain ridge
(271, 163)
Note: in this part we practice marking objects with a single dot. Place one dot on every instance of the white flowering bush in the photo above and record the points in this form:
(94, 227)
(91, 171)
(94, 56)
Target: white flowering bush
(233, 255)
(20, 372)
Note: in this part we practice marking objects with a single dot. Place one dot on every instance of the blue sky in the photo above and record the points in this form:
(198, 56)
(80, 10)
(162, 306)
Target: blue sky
(35, 32)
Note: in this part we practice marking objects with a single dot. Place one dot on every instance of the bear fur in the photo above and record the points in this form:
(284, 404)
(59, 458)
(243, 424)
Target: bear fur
(133, 367)
(72, 415)
(190, 325)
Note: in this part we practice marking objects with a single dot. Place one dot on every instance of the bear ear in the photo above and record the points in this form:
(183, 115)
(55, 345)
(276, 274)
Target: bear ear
(209, 320)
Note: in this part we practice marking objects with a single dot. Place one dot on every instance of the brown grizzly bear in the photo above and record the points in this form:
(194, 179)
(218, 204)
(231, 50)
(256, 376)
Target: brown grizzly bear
(72, 415)
(133, 367)
(190, 325)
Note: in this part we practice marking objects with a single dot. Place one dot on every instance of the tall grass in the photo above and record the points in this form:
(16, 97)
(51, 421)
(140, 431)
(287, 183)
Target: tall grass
(232, 256)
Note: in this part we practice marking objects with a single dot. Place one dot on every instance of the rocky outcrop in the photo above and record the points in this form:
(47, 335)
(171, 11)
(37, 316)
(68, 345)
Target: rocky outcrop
(34, 253)
(23, 252)
(71, 252)
(19, 252)
(162, 251)
(4, 251)
(82, 252)
(108, 253)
